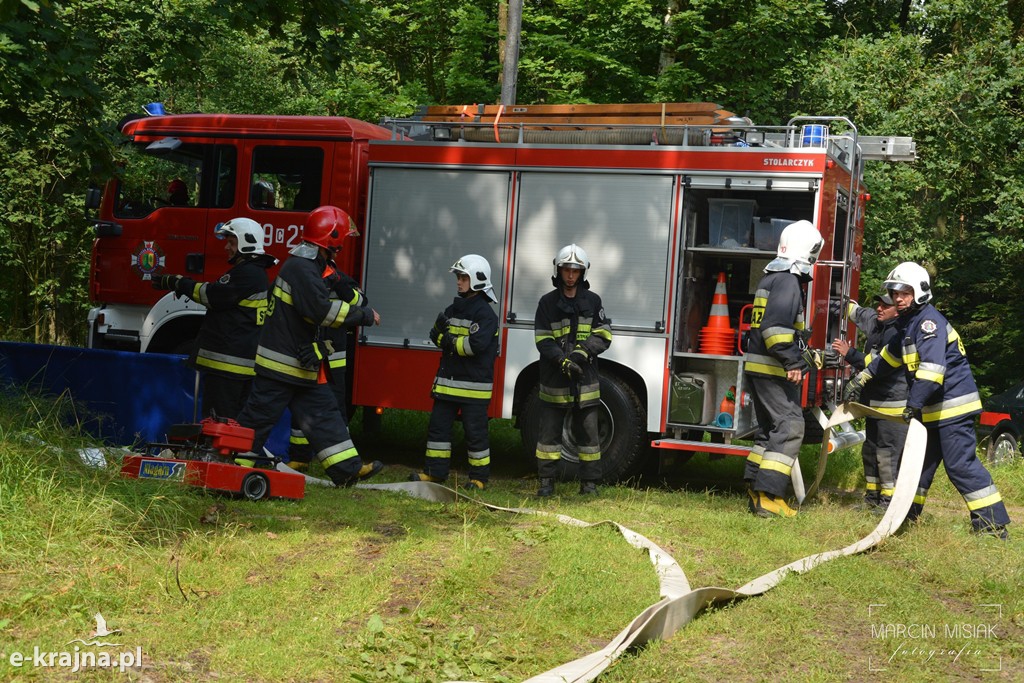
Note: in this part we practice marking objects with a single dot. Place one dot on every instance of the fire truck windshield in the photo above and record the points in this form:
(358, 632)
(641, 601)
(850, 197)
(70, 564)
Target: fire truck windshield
(156, 178)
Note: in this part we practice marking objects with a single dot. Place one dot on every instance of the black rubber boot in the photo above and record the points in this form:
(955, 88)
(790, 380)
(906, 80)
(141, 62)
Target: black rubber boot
(547, 488)
(344, 478)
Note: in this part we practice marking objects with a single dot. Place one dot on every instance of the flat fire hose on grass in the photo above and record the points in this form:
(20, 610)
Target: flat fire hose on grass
(680, 603)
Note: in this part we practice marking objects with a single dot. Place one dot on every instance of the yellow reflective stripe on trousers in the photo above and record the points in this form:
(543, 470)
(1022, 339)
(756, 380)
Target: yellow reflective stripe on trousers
(339, 452)
(777, 462)
(983, 498)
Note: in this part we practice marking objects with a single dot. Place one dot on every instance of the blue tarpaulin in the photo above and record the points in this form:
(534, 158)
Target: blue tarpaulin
(121, 397)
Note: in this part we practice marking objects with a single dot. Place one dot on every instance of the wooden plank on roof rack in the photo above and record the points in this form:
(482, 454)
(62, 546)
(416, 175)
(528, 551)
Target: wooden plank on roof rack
(592, 121)
(579, 109)
(669, 113)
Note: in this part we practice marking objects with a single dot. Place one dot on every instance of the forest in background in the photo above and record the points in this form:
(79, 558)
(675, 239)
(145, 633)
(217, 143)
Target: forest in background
(949, 73)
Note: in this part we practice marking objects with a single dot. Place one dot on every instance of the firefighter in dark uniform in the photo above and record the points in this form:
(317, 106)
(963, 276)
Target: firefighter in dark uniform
(571, 331)
(290, 359)
(467, 334)
(883, 439)
(236, 306)
(345, 289)
(943, 396)
(775, 363)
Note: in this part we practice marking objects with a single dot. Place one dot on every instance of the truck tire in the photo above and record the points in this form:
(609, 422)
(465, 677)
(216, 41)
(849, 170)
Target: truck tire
(1002, 448)
(255, 486)
(623, 428)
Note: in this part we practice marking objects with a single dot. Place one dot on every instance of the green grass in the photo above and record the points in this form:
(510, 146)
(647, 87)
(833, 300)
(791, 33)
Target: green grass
(361, 585)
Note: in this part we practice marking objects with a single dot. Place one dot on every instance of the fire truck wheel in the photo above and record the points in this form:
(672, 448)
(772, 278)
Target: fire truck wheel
(624, 443)
(622, 422)
(255, 486)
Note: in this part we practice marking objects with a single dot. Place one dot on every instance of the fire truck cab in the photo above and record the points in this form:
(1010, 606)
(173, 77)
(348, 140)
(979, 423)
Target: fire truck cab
(181, 176)
(671, 203)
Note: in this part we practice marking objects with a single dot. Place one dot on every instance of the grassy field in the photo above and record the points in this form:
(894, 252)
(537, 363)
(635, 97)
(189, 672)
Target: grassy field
(361, 585)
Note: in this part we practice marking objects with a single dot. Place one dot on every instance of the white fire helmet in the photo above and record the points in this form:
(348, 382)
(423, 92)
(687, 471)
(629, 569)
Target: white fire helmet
(572, 256)
(800, 244)
(910, 277)
(248, 232)
(478, 270)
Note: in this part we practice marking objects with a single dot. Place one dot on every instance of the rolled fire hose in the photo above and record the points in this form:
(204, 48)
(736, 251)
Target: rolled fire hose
(679, 603)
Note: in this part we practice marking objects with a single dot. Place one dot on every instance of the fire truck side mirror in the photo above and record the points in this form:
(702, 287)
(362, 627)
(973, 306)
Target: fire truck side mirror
(92, 198)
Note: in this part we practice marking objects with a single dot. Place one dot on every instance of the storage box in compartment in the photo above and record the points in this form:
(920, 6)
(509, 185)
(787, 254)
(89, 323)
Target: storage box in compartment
(767, 232)
(693, 398)
(729, 222)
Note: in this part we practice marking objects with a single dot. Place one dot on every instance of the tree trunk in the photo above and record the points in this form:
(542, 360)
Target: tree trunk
(668, 48)
(502, 35)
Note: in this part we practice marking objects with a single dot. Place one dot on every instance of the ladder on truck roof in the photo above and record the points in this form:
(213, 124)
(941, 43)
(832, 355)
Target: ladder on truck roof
(667, 123)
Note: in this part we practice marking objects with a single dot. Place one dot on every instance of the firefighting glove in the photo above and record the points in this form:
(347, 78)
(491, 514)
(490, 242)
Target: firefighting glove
(439, 328)
(571, 369)
(911, 414)
(447, 341)
(313, 354)
(835, 307)
(851, 392)
(814, 358)
(165, 282)
(579, 356)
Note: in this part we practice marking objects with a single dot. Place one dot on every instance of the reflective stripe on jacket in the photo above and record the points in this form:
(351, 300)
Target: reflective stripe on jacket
(236, 307)
(932, 354)
(466, 371)
(560, 325)
(775, 321)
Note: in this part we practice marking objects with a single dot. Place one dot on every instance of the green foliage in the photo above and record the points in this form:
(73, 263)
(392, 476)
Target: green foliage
(953, 84)
(579, 51)
(947, 72)
(746, 56)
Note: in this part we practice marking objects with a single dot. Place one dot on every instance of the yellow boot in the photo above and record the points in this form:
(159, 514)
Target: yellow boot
(768, 505)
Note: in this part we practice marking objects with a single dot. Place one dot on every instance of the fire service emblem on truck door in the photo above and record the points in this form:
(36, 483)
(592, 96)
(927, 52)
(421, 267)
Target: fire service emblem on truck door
(147, 258)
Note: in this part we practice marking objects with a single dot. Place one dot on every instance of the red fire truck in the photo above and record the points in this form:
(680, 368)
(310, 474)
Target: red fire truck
(677, 205)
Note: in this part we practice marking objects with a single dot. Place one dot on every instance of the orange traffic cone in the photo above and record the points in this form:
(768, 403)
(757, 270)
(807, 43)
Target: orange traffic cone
(718, 338)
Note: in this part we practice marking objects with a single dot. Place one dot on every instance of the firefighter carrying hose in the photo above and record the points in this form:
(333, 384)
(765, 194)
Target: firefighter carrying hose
(884, 439)
(467, 334)
(776, 361)
(943, 396)
(290, 367)
(236, 306)
(571, 331)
